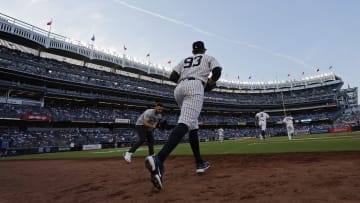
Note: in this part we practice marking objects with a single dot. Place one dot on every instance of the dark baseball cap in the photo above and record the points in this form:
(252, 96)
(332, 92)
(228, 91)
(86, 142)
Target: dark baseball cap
(198, 45)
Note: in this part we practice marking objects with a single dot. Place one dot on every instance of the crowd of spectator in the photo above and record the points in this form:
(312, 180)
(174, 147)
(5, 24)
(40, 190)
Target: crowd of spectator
(58, 70)
(36, 137)
(109, 114)
(41, 137)
(349, 118)
(64, 137)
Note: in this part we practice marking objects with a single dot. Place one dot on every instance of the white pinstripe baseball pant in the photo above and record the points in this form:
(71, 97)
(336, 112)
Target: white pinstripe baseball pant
(189, 95)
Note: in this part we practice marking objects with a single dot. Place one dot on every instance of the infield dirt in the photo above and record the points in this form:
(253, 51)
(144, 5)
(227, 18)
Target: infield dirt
(295, 177)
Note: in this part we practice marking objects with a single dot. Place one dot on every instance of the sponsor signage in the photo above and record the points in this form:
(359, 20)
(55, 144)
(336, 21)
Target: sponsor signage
(340, 129)
(318, 131)
(123, 121)
(37, 117)
(63, 149)
(241, 123)
(91, 146)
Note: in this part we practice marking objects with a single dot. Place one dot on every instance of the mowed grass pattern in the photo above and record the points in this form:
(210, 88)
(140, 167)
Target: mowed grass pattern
(301, 143)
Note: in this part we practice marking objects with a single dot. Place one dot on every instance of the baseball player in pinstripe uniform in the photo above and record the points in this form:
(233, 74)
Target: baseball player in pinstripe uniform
(288, 120)
(192, 78)
(221, 134)
(261, 121)
(144, 127)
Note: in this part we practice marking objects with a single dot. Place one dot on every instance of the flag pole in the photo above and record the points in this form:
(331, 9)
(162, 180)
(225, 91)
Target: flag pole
(283, 103)
(123, 60)
(50, 24)
(148, 56)
(93, 40)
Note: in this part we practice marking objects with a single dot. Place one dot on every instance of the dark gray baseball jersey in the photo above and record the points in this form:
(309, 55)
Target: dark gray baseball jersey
(150, 115)
(189, 93)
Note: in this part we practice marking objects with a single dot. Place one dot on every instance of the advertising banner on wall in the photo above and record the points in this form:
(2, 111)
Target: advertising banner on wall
(37, 117)
(340, 129)
(123, 121)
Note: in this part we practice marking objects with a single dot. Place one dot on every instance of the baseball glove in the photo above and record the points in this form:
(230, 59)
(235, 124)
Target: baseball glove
(162, 125)
(209, 87)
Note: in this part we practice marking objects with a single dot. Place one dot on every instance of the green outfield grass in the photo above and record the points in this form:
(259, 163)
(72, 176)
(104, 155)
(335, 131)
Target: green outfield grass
(302, 143)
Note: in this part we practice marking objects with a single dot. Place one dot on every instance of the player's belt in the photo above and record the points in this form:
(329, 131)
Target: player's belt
(191, 78)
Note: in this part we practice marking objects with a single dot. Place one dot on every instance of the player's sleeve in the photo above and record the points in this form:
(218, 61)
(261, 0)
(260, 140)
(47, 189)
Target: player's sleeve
(175, 74)
(213, 63)
(147, 114)
(178, 67)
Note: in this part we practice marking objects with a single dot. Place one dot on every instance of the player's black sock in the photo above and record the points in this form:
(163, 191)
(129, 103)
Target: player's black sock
(175, 137)
(194, 143)
(263, 133)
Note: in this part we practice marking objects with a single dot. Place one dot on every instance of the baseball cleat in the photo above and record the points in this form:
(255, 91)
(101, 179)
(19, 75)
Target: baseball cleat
(201, 168)
(127, 157)
(155, 168)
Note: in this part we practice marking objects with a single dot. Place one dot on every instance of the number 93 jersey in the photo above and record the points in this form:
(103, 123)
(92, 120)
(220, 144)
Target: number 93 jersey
(197, 66)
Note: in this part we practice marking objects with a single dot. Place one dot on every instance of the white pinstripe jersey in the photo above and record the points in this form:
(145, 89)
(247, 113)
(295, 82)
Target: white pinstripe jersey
(189, 94)
(288, 120)
(262, 116)
(197, 66)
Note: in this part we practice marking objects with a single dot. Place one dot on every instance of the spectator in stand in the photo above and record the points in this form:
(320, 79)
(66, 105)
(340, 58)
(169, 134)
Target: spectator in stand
(4, 147)
(1, 146)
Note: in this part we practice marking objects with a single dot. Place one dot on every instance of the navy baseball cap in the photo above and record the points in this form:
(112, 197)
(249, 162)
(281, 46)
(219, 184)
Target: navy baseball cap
(198, 45)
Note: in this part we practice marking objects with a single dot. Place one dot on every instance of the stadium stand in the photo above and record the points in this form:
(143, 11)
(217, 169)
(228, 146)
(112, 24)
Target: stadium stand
(59, 94)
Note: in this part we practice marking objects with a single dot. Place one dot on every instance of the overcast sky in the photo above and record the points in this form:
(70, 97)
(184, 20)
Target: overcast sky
(264, 39)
